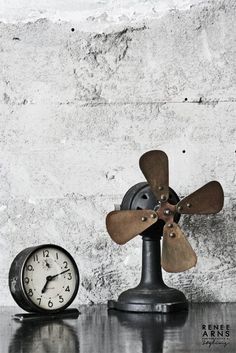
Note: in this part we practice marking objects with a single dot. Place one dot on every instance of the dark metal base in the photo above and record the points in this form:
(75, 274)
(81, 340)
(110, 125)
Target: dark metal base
(150, 299)
(147, 308)
(65, 314)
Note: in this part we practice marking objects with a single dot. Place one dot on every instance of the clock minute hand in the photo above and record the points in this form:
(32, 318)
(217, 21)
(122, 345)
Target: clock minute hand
(49, 278)
(58, 274)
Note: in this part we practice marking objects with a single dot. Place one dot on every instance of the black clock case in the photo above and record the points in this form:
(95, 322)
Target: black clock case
(16, 280)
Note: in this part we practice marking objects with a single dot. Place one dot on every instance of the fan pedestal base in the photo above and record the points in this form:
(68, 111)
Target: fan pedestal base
(148, 308)
(152, 294)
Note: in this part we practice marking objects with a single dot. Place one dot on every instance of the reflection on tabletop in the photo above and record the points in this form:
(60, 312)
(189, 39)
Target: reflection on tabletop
(100, 331)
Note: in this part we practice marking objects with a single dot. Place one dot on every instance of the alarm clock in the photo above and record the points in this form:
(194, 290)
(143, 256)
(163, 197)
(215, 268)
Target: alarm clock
(44, 279)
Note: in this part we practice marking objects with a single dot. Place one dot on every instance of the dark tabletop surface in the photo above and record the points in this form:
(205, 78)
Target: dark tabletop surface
(97, 330)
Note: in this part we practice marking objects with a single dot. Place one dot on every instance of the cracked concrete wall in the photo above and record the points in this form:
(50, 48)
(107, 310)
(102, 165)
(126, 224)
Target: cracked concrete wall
(81, 101)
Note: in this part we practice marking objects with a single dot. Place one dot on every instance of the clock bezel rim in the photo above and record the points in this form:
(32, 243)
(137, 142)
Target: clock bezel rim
(35, 307)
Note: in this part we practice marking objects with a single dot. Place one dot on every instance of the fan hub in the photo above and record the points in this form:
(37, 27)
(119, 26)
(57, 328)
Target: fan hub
(167, 212)
(140, 196)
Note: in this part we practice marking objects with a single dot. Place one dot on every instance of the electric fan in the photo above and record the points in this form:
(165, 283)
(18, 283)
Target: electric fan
(153, 210)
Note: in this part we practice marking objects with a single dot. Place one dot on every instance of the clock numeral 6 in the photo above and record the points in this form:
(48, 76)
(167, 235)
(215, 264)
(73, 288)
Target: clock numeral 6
(61, 300)
(50, 304)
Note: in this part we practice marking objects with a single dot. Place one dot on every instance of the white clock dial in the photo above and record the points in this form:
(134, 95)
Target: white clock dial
(50, 278)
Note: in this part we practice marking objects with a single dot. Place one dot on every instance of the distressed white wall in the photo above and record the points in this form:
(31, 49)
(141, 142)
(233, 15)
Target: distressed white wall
(100, 14)
(78, 108)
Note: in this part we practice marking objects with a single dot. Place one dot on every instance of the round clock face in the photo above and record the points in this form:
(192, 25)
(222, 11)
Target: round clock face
(50, 278)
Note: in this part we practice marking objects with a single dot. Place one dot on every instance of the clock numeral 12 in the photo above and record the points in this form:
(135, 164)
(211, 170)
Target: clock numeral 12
(45, 253)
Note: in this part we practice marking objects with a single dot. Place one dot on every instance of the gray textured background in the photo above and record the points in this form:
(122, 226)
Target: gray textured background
(79, 108)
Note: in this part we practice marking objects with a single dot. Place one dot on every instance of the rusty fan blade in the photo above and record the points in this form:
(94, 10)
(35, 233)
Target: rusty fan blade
(154, 166)
(122, 226)
(206, 200)
(177, 253)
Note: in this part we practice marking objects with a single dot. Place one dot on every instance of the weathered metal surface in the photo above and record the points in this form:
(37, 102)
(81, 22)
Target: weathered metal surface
(208, 199)
(123, 226)
(166, 212)
(177, 253)
(154, 165)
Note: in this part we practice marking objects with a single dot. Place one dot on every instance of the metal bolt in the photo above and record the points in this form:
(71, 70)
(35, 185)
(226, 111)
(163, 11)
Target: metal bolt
(158, 205)
(160, 187)
(154, 215)
(163, 197)
(167, 212)
(143, 219)
(180, 208)
(172, 235)
(170, 225)
(189, 205)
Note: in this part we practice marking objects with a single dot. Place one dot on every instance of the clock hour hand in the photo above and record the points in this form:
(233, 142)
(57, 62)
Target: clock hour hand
(45, 286)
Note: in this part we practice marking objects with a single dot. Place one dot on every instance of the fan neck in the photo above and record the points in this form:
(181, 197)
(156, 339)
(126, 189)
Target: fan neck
(151, 276)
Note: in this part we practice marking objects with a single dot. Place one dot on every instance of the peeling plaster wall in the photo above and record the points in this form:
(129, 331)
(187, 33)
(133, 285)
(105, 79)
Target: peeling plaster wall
(79, 107)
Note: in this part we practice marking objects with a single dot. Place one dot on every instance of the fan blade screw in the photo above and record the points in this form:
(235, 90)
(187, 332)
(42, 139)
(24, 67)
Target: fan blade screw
(180, 208)
(172, 235)
(189, 205)
(143, 219)
(170, 225)
(154, 215)
(160, 187)
(163, 197)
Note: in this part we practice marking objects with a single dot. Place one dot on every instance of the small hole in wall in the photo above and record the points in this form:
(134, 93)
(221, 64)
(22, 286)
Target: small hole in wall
(72, 29)
(183, 151)
(185, 99)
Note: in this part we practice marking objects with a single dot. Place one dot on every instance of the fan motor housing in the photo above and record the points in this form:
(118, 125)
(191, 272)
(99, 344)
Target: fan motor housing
(140, 197)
